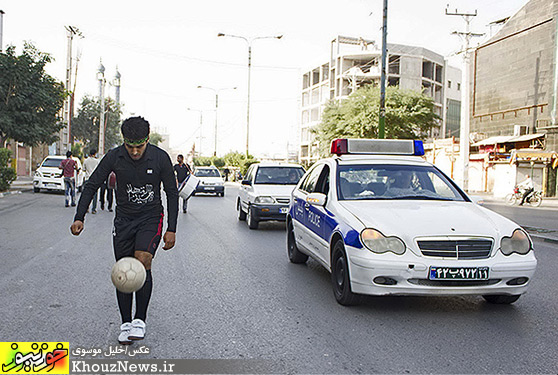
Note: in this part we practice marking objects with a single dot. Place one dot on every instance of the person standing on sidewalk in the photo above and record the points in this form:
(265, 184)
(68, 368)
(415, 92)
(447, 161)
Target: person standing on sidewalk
(69, 167)
(89, 166)
(182, 171)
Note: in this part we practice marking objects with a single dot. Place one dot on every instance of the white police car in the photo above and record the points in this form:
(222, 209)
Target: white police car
(385, 222)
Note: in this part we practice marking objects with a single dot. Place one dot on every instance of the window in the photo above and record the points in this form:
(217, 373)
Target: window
(390, 182)
(322, 186)
(459, 87)
(278, 175)
(311, 179)
(207, 172)
(449, 84)
(51, 162)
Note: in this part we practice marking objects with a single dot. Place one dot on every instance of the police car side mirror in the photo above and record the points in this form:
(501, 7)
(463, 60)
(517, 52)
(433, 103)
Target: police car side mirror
(247, 182)
(316, 199)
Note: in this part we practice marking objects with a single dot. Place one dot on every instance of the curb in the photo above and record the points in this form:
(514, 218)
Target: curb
(544, 239)
(10, 192)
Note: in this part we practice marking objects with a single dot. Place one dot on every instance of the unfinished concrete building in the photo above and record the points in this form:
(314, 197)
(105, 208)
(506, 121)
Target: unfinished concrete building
(355, 62)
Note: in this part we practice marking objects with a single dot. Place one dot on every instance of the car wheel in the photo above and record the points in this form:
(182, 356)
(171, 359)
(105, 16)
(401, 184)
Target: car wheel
(241, 213)
(36, 190)
(501, 299)
(295, 256)
(252, 222)
(340, 277)
(510, 199)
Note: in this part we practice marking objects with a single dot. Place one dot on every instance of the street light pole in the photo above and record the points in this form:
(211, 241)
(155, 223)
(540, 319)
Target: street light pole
(216, 91)
(249, 43)
(101, 78)
(1, 27)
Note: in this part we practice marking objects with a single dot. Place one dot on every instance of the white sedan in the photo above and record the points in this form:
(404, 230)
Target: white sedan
(385, 222)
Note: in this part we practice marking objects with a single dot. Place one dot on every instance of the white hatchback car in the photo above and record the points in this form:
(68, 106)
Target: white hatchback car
(265, 192)
(211, 181)
(49, 176)
(385, 222)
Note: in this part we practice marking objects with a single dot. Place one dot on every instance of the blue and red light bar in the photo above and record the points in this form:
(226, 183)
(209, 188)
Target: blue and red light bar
(377, 147)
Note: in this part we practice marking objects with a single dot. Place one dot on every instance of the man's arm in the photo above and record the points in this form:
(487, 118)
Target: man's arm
(169, 183)
(95, 181)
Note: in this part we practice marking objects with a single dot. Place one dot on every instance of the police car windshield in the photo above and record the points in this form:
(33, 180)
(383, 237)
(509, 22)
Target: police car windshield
(50, 162)
(207, 172)
(394, 182)
(278, 175)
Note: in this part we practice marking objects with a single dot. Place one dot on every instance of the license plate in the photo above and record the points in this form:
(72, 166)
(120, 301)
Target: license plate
(209, 188)
(52, 185)
(458, 273)
(283, 210)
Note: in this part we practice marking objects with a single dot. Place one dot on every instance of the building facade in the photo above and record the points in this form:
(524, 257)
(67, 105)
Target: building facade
(355, 62)
(514, 84)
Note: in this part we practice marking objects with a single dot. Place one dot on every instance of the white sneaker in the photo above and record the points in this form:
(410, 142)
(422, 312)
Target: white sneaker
(138, 330)
(123, 338)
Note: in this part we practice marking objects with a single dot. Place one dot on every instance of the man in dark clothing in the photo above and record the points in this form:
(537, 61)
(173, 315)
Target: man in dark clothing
(140, 168)
(107, 190)
(182, 171)
(69, 166)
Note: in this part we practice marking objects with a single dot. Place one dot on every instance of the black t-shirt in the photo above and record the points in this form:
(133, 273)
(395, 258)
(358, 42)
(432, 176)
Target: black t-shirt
(182, 171)
(138, 184)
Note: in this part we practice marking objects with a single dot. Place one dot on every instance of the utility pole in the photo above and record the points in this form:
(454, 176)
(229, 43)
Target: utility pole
(216, 91)
(65, 136)
(465, 118)
(201, 124)
(102, 81)
(1, 28)
(382, 119)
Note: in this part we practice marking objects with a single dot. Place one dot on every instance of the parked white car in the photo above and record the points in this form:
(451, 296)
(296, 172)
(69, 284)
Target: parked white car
(385, 222)
(211, 181)
(265, 192)
(48, 176)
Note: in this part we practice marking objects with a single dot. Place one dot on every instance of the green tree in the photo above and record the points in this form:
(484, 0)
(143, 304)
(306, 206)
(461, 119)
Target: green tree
(30, 99)
(409, 115)
(234, 159)
(7, 174)
(155, 138)
(85, 126)
(202, 161)
(218, 162)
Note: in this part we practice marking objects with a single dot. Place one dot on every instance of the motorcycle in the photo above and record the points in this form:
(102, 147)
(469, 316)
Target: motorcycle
(534, 198)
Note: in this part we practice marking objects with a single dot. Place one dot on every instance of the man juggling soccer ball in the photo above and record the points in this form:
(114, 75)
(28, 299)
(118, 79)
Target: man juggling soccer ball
(140, 168)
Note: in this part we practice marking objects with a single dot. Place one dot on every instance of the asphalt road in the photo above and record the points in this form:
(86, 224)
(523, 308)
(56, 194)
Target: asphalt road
(229, 292)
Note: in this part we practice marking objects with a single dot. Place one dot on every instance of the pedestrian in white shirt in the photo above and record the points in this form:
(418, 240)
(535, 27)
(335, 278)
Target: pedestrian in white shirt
(89, 166)
(527, 184)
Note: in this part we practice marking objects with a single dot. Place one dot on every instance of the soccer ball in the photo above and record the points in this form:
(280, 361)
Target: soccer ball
(128, 275)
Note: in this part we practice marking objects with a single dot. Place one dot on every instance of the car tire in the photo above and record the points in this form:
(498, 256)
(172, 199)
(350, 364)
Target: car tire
(501, 299)
(36, 190)
(253, 223)
(340, 277)
(241, 213)
(295, 256)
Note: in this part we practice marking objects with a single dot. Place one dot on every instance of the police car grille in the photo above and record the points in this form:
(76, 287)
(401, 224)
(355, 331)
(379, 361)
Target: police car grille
(454, 283)
(459, 249)
(282, 200)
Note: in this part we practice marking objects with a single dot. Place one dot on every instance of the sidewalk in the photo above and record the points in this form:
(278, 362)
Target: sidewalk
(21, 184)
(548, 203)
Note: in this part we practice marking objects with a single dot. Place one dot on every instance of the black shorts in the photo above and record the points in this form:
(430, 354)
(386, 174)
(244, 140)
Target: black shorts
(131, 234)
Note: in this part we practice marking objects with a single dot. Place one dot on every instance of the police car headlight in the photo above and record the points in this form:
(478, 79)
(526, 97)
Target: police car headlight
(376, 242)
(518, 243)
(264, 200)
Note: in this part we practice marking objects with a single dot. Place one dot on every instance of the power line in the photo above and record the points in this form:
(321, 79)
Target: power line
(158, 53)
